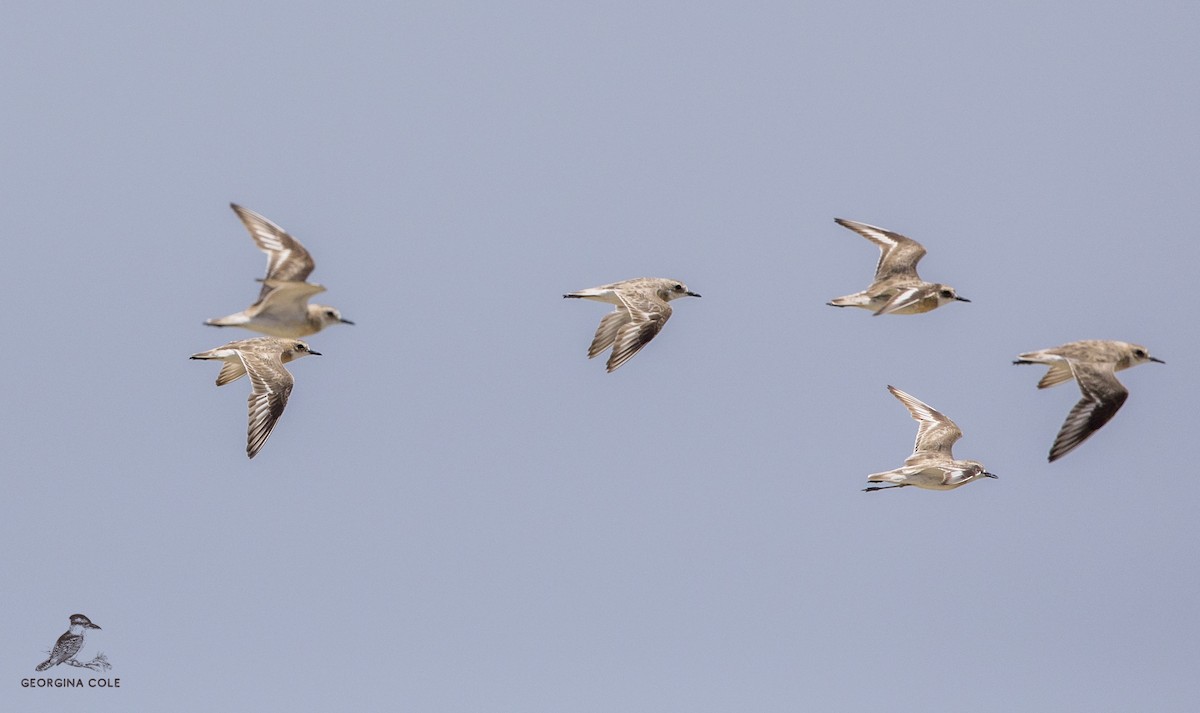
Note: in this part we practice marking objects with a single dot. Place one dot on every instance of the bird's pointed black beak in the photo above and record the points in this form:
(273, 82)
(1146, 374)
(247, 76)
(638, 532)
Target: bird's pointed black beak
(93, 626)
(315, 353)
(962, 299)
(346, 321)
(693, 294)
(990, 475)
(1160, 361)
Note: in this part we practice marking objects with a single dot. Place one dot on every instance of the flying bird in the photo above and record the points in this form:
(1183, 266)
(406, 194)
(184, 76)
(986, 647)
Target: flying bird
(897, 288)
(641, 312)
(932, 465)
(262, 359)
(1093, 364)
(282, 309)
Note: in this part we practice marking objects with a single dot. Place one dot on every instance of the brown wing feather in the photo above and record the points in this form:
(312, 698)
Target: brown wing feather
(272, 384)
(647, 315)
(606, 333)
(1103, 396)
(898, 256)
(936, 433)
(287, 260)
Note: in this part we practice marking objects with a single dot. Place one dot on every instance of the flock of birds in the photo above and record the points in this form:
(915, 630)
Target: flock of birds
(642, 309)
(283, 312)
(1092, 363)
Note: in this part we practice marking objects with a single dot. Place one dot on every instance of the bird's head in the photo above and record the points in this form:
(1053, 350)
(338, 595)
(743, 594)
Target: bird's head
(81, 620)
(946, 293)
(326, 315)
(673, 290)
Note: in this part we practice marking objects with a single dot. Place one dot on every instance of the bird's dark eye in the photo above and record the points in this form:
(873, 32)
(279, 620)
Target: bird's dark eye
(329, 313)
(946, 293)
(1139, 353)
(301, 347)
(679, 288)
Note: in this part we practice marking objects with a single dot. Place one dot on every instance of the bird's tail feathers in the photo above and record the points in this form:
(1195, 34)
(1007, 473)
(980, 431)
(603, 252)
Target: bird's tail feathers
(858, 299)
(890, 476)
(233, 320)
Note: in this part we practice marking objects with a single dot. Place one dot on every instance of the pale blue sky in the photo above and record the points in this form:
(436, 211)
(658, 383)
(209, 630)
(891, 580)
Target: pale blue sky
(459, 511)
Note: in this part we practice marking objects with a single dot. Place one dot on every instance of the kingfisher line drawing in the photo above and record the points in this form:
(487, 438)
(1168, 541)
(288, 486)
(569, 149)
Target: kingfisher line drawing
(70, 644)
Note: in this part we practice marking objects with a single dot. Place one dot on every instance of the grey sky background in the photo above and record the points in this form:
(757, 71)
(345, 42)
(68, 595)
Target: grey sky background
(459, 511)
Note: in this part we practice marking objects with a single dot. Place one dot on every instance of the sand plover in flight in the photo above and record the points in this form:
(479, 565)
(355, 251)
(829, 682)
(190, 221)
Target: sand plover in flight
(897, 288)
(1093, 364)
(282, 309)
(641, 312)
(931, 465)
(69, 644)
(262, 358)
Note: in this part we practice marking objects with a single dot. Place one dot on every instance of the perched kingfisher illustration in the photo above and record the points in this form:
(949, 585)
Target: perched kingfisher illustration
(69, 643)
